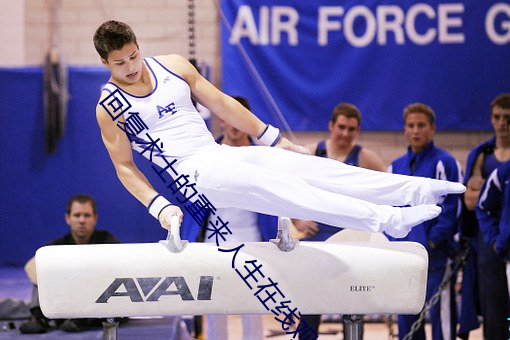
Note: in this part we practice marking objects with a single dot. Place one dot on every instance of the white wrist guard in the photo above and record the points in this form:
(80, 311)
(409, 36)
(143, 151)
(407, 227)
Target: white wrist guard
(157, 205)
(270, 136)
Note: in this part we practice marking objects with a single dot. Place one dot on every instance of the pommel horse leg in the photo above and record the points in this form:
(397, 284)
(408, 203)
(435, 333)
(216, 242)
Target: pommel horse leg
(110, 329)
(353, 327)
(353, 323)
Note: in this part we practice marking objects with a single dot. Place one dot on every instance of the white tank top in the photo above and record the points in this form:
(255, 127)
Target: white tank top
(168, 114)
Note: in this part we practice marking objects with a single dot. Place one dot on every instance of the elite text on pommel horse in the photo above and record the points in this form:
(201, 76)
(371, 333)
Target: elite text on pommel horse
(345, 275)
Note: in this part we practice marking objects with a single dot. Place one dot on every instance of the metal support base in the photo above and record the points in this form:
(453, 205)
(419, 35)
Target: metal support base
(353, 327)
(110, 329)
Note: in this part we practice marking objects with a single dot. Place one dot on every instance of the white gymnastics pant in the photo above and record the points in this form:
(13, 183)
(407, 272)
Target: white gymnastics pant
(278, 182)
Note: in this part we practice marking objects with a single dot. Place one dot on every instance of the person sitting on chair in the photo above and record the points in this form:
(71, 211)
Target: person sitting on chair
(81, 217)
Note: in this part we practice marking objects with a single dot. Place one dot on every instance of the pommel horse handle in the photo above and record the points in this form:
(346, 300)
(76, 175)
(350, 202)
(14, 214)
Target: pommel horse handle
(284, 240)
(173, 240)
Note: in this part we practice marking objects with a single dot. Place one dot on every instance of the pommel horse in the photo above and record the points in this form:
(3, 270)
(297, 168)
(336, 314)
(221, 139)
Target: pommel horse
(349, 275)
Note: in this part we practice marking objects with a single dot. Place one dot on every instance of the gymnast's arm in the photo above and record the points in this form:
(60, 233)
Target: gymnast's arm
(474, 184)
(368, 159)
(224, 106)
(119, 149)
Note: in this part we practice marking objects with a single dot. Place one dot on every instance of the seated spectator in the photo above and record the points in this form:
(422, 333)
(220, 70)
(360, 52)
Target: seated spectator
(81, 216)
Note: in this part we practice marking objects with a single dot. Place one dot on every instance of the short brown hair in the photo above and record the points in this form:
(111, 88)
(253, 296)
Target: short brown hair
(420, 108)
(503, 101)
(112, 35)
(348, 110)
(81, 198)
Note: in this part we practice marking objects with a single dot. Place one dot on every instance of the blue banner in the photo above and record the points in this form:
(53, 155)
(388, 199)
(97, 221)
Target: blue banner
(295, 60)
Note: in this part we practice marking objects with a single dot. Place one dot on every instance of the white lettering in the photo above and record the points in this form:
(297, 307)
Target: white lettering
(422, 24)
(445, 22)
(384, 13)
(413, 35)
(325, 25)
(369, 34)
(244, 26)
(490, 22)
(264, 25)
(273, 22)
(284, 19)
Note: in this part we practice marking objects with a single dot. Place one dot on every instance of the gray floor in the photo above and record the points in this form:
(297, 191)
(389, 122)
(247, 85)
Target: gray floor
(15, 289)
(134, 329)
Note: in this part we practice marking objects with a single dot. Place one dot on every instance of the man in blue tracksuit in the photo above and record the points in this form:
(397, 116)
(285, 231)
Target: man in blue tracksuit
(424, 159)
(493, 215)
(484, 278)
(469, 230)
(493, 212)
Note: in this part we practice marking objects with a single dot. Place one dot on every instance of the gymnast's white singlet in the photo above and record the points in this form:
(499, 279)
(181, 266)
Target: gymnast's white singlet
(268, 180)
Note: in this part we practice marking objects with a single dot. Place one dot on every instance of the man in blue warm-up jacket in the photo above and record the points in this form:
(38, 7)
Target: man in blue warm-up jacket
(424, 159)
(493, 211)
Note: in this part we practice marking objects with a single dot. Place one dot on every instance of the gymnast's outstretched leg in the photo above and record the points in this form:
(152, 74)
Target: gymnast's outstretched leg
(247, 186)
(331, 175)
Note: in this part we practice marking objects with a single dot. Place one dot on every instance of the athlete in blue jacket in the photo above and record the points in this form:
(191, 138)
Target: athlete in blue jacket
(484, 278)
(424, 159)
(493, 211)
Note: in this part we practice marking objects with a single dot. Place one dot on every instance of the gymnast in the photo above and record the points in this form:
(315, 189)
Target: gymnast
(277, 178)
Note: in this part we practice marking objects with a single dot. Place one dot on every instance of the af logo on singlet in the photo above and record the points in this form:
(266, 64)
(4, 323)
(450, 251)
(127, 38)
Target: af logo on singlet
(168, 109)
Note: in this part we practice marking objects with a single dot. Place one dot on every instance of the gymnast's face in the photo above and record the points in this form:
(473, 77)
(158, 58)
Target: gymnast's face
(419, 131)
(125, 64)
(344, 130)
(82, 221)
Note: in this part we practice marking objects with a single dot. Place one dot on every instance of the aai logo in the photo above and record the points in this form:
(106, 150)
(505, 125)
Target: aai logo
(152, 288)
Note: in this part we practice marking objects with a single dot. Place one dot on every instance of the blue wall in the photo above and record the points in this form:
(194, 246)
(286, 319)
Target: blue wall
(35, 186)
